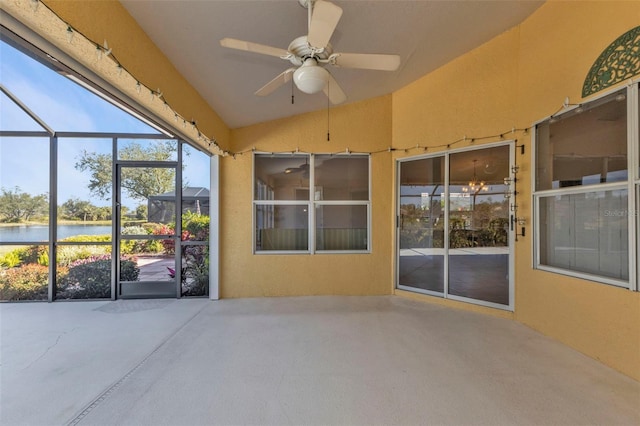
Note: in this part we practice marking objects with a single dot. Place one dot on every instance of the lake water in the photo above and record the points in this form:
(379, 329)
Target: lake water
(32, 233)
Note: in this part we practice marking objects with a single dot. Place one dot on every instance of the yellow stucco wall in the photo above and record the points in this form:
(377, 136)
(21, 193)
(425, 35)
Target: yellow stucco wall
(360, 127)
(516, 79)
(559, 43)
(474, 95)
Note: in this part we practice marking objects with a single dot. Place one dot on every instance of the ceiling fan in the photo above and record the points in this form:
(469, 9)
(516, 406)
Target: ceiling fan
(311, 53)
(301, 168)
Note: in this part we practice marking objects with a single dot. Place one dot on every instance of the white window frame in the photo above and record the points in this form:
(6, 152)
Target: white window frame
(633, 117)
(311, 204)
(632, 185)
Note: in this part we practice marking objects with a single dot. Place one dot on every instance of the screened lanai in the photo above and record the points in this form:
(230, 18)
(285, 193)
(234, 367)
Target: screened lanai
(78, 171)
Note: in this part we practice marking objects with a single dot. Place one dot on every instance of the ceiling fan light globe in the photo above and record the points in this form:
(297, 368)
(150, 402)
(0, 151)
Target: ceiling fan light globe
(311, 79)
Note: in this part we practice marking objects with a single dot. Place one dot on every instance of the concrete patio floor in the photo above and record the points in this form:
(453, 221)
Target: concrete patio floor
(155, 268)
(293, 361)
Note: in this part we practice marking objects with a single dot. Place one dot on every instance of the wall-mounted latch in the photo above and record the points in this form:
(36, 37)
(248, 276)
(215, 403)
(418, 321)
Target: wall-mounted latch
(521, 221)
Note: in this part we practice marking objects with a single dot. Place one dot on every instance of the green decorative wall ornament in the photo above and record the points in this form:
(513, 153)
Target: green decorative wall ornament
(619, 61)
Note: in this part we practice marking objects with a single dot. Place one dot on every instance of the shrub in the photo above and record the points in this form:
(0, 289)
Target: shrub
(43, 259)
(69, 254)
(150, 227)
(88, 238)
(195, 270)
(66, 254)
(128, 246)
(197, 225)
(194, 227)
(129, 270)
(168, 245)
(26, 255)
(132, 246)
(35, 254)
(139, 246)
(27, 282)
(415, 237)
(134, 230)
(91, 278)
(153, 246)
(11, 259)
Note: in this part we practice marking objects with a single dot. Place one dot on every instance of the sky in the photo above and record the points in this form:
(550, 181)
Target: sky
(66, 107)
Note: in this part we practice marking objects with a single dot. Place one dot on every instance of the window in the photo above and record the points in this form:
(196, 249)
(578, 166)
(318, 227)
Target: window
(311, 203)
(586, 232)
(582, 193)
(586, 146)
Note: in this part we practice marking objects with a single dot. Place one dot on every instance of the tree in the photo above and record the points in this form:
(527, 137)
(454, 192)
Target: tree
(18, 206)
(79, 209)
(103, 213)
(139, 182)
(142, 212)
(124, 212)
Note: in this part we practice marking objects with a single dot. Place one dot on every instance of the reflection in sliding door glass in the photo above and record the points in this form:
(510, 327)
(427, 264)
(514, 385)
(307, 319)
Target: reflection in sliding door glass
(479, 225)
(421, 261)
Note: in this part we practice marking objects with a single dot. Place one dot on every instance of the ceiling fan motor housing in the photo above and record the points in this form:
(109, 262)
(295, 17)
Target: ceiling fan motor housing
(301, 50)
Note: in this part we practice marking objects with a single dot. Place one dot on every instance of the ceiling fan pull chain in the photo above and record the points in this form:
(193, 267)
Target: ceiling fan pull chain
(292, 98)
(309, 14)
(328, 109)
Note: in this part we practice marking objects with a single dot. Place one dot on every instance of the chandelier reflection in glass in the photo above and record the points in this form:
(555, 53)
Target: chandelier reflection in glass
(475, 186)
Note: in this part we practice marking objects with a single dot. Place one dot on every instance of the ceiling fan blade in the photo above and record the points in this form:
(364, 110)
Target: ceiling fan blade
(324, 20)
(365, 61)
(248, 46)
(334, 92)
(283, 78)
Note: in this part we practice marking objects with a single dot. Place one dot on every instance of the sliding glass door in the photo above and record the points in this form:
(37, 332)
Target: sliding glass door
(454, 226)
(479, 225)
(421, 225)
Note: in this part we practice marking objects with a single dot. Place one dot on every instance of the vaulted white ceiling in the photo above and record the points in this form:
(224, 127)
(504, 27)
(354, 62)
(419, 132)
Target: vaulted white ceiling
(426, 35)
